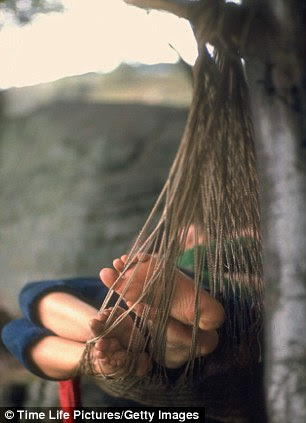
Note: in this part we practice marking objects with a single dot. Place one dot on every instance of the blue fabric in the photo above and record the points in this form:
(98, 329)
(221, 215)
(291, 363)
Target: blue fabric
(90, 290)
(20, 334)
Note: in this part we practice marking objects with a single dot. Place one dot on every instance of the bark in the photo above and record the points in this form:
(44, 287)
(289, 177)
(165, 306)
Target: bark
(277, 88)
(271, 36)
(177, 7)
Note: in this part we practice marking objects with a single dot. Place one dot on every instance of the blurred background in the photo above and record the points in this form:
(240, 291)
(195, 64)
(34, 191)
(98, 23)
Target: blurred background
(93, 102)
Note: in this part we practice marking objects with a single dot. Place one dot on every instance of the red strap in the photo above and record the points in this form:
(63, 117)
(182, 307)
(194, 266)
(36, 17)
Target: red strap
(69, 396)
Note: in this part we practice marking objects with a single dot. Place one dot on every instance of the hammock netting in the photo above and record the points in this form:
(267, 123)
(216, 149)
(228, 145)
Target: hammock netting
(212, 187)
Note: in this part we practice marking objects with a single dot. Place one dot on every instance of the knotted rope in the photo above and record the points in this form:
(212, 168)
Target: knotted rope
(213, 186)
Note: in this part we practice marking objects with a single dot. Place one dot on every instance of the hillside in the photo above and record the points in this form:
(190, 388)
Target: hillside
(79, 172)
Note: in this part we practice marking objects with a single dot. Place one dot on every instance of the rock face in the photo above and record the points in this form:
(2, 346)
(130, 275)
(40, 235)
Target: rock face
(77, 181)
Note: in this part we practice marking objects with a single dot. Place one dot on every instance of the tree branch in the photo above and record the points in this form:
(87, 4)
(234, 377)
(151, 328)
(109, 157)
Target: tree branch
(241, 30)
(208, 17)
(179, 8)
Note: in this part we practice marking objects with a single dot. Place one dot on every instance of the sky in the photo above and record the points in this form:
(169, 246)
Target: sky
(90, 36)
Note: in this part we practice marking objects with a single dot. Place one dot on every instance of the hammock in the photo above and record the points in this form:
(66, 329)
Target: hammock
(212, 186)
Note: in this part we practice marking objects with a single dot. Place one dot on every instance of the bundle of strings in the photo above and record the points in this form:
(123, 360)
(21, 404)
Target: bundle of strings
(212, 188)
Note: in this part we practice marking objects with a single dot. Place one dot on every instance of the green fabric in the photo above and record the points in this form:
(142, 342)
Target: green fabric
(187, 259)
(186, 262)
(240, 245)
